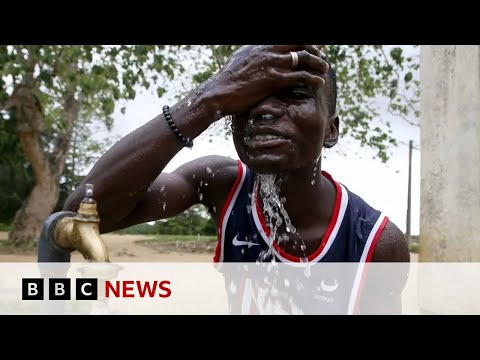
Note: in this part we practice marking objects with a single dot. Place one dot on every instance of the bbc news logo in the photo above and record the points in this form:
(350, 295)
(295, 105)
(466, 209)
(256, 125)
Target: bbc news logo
(87, 289)
(60, 289)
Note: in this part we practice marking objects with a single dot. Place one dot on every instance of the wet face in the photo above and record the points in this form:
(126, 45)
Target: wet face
(285, 131)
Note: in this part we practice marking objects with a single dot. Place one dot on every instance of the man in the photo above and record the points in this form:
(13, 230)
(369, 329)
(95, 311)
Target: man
(275, 203)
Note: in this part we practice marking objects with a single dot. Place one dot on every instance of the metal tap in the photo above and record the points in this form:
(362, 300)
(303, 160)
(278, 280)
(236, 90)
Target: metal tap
(82, 231)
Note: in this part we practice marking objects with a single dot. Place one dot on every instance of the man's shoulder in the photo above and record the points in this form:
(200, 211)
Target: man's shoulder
(392, 245)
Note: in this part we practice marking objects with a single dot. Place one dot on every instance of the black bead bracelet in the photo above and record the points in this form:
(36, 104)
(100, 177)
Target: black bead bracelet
(185, 140)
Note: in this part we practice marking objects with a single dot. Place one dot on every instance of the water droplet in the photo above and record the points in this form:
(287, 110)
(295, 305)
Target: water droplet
(288, 229)
(189, 103)
(312, 182)
(208, 170)
(249, 209)
(200, 196)
(232, 288)
(193, 176)
(164, 205)
(201, 183)
(307, 271)
(303, 247)
(287, 284)
(163, 189)
(214, 209)
(242, 250)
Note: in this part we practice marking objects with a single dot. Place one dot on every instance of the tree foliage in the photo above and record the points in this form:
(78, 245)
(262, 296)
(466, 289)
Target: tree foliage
(194, 221)
(16, 177)
(52, 90)
(365, 74)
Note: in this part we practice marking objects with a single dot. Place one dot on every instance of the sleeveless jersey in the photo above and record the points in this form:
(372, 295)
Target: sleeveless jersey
(351, 237)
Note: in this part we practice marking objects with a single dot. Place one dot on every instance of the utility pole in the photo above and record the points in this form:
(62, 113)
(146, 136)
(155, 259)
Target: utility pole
(409, 196)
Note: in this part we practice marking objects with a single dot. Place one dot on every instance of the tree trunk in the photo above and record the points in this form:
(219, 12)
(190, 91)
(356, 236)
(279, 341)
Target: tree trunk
(47, 167)
(36, 208)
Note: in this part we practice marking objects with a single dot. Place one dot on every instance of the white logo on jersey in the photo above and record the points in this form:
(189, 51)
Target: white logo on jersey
(329, 288)
(237, 242)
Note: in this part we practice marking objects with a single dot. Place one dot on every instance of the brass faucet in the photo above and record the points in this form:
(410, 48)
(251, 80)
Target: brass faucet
(82, 232)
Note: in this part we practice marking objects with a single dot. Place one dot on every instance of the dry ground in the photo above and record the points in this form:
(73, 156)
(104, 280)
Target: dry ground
(129, 248)
(132, 248)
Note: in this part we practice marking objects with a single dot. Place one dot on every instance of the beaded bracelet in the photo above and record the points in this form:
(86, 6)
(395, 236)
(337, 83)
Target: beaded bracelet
(185, 140)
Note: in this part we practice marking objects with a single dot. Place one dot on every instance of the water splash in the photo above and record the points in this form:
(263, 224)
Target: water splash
(232, 287)
(275, 213)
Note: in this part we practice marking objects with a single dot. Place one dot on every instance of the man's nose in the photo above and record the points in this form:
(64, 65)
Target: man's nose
(269, 109)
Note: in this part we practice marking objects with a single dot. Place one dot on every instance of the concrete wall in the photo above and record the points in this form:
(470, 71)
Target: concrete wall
(450, 155)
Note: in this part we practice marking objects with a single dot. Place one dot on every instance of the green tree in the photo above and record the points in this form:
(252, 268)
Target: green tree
(85, 150)
(49, 88)
(196, 220)
(16, 176)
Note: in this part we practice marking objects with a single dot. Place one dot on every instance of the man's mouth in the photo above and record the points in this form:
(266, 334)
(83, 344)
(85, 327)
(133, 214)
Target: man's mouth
(265, 140)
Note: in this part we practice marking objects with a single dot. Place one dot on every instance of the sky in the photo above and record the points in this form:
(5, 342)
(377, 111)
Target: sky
(383, 186)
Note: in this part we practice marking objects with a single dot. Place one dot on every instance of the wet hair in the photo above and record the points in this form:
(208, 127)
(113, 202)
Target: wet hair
(331, 88)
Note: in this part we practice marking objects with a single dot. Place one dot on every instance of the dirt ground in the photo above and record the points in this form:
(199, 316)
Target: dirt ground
(130, 248)
(133, 248)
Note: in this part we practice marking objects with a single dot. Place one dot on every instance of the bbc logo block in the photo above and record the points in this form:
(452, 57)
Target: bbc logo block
(60, 289)
(32, 289)
(87, 289)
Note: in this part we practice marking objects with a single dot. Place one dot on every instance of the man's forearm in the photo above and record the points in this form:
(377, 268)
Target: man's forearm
(124, 172)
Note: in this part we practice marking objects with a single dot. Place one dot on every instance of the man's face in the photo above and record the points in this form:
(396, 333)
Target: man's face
(285, 131)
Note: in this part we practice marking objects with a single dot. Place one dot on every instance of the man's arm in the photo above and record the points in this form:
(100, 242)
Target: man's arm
(123, 176)
(206, 181)
(387, 275)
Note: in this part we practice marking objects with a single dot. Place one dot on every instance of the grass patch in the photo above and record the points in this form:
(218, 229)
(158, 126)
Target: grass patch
(181, 238)
(25, 248)
(181, 243)
(5, 227)
(414, 247)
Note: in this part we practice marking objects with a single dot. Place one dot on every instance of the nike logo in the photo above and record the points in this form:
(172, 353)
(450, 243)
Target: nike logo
(329, 288)
(237, 242)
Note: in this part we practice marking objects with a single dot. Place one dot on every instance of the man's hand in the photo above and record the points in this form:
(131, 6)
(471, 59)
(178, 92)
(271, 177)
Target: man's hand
(254, 72)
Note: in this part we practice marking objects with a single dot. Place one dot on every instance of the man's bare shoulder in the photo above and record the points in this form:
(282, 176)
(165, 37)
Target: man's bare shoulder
(392, 246)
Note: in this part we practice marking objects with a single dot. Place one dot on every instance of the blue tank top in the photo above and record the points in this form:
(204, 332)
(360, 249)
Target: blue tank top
(351, 236)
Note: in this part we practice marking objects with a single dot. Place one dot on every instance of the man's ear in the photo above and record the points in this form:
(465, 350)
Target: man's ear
(331, 133)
